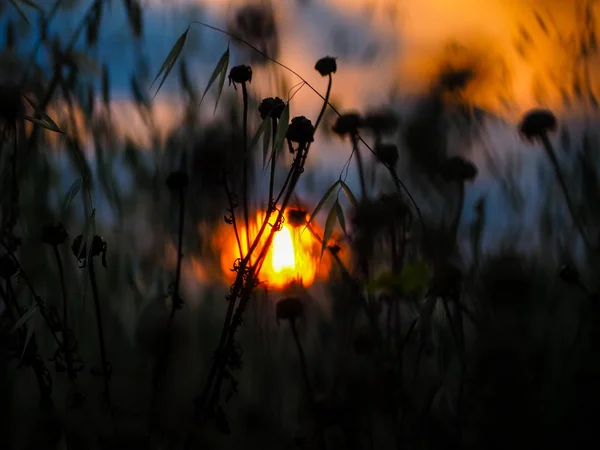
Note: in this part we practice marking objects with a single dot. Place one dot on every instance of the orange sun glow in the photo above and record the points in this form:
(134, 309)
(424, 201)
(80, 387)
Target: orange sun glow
(294, 256)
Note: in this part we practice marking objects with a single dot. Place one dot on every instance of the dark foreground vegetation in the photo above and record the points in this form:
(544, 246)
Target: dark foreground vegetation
(422, 337)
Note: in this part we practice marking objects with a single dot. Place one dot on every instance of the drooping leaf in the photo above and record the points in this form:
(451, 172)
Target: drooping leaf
(340, 215)
(71, 193)
(322, 202)
(349, 194)
(329, 224)
(170, 61)
(282, 128)
(44, 120)
(220, 69)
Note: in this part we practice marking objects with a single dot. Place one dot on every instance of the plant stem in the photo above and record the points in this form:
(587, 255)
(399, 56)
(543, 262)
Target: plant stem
(66, 347)
(563, 185)
(309, 391)
(100, 328)
(325, 103)
(245, 165)
(359, 165)
(273, 160)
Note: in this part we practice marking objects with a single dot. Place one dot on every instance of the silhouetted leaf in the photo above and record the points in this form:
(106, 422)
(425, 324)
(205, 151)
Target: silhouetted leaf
(170, 60)
(33, 325)
(24, 318)
(322, 202)
(220, 69)
(282, 128)
(20, 11)
(138, 95)
(329, 224)
(31, 4)
(541, 22)
(267, 140)
(340, 215)
(258, 134)
(44, 121)
(93, 25)
(134, 14)
(71, 193)
(349, 194)
(184, 79)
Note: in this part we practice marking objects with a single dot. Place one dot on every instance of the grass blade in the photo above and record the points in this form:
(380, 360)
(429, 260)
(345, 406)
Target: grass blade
(340, 215)
(45, 120)
(20, 11)
(284, 123)
(220, 68)
(322, 202)
(169, 62)
(329, 224)
(349, 194)
(24, 318)
(266, 140)
(31, 4)
(72, 193)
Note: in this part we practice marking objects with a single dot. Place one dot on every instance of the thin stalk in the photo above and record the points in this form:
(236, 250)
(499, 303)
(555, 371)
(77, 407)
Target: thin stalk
(325, 103)
(359, 165)
(563, 185)
(233, 219)
(65, 308)
(245, 165)
(273, 160)
(309, 390)
(100, 329)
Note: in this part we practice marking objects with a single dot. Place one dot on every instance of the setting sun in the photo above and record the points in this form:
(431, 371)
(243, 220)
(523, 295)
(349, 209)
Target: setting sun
(294, 256)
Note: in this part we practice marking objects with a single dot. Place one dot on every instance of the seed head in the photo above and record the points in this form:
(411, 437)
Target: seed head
(458, 169)
(326, 66)
(289, 308)
(272, 107)
(537, 123)
(54, 234)
(348, 124)
(240, 74)
(301, 130)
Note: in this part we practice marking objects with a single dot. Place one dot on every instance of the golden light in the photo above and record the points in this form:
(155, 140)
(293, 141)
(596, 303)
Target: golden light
(294, 256)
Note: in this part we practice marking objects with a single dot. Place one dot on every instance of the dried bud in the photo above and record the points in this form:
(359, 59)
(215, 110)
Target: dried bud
(8, 266)
(537, 123)
(54, 234)
(569, 274)
(301, 130)
(296, 217)
(458, 169)
(177, 180)
(381, 122)
(272, 107)
(240, 74)
(387, 153)
(289, 308)
(348, 124)
(326, 66)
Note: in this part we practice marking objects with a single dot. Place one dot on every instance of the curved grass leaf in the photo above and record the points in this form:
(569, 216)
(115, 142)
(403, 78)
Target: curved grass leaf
(220, 69)
(259, 132)
(349, 194)
(170, 60)
(329, 224)
(340, 215)
(72, 193)
(44, 121)
(20, 11)
(321, 203)
(284, 123)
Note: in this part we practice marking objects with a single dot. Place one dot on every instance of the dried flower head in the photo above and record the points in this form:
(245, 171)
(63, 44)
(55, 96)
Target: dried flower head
(54, 234)
(348, 124)
(387, 153)
(272, 107)
(457, 168)
(326, 66)
(381, 122)
(240, 74)
(8, 266)
(289, 308)
(296, 217)
(177, 180)
(301, 130)
(99, 247)
(537, 123)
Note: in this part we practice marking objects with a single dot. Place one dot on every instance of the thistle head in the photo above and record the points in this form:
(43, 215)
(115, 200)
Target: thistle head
(326, 66)
(537, 123)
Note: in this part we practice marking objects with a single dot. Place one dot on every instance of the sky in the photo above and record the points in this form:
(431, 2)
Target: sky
(384, 48)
